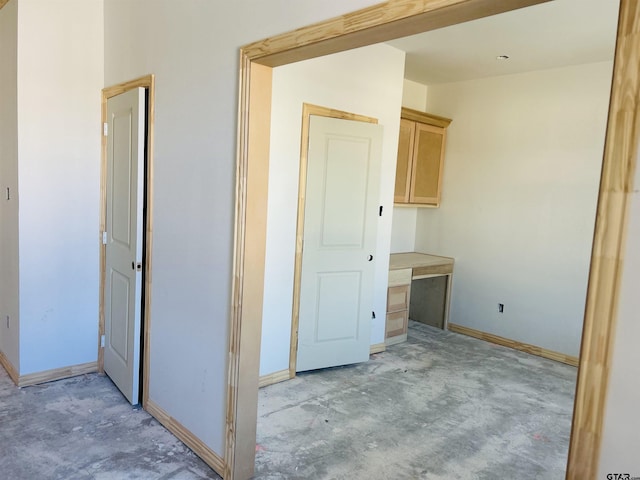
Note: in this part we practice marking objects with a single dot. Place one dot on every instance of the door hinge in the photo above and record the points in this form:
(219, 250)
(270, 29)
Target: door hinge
(104, 238)
(102, 341)
(105, 129)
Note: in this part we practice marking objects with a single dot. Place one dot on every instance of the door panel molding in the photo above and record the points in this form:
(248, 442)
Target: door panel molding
(147, 82)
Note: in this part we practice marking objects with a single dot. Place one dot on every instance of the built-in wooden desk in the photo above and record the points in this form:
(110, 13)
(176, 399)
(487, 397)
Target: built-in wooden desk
(403, 269)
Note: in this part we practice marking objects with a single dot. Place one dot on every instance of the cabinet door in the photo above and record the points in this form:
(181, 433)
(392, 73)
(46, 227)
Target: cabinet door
(428, 153)
(398, 298)
(396, 324)
(403, 166)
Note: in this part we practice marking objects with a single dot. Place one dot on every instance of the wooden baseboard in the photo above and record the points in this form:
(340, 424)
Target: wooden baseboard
(198, 447)
(11, 370)
(57, 374)
(275, 377)
(524, 347)
(284, 375)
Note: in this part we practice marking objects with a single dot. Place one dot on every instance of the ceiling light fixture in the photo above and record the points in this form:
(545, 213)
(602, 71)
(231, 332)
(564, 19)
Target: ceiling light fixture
(502, 57)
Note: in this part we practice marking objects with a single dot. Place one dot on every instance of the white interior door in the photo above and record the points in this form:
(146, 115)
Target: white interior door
(340, 230)
(124, 234)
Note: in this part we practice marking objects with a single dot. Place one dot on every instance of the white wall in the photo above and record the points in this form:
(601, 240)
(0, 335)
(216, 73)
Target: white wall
(192, 47)
(60, 73)
(367, 81)
(521, 177)
(403, 229)
(9, 335)
(414, 95)
(620, 439)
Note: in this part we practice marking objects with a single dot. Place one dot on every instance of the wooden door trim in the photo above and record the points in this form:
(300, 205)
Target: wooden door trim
(147, 82)
(607, 257)
(254, 115)
(307, 111)
(397, 18)
(378, 23)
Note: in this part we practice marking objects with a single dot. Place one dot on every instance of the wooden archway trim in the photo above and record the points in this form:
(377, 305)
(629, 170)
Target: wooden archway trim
(383, 22)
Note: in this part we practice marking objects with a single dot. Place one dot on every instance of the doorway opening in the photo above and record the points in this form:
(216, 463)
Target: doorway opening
(465, 172)
(360, 30)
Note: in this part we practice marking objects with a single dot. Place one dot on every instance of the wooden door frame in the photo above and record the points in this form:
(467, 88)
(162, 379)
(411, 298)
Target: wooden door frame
(379, 23)
(147, 82)
(307, 110)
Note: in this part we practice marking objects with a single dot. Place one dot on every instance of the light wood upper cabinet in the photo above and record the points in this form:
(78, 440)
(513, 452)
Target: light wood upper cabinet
(420, 158)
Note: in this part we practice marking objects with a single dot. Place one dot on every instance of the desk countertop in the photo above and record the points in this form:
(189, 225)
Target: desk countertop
(399, 261)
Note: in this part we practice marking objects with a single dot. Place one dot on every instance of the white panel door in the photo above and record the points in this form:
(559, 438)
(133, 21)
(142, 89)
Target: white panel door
(340, 230)
(123, 282)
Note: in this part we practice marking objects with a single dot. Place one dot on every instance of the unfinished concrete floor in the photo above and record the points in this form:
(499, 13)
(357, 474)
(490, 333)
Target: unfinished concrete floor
(83, 428)
(440, 406)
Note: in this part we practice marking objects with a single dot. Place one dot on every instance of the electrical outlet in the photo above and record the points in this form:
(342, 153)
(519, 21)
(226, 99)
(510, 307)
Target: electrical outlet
(501, 308)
